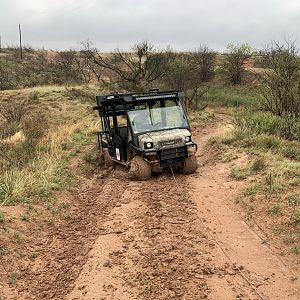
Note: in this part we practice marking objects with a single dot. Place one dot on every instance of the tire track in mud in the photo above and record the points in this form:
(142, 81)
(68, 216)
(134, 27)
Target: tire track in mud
(154, 239)
(152, 247)
(63, 252)
(175, 258)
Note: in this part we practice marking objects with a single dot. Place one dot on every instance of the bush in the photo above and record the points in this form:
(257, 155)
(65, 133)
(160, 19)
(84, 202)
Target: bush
(204, 61)
(268, 142)
(259, 164)
(282, 80)
(7, 80)
(291, 150)
(234, 63)
(13, 108)
(12, 186)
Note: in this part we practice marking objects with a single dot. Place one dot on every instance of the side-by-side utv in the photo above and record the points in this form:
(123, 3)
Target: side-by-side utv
(146, 132)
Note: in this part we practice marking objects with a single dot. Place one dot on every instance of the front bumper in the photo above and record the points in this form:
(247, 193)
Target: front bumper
(165, 158)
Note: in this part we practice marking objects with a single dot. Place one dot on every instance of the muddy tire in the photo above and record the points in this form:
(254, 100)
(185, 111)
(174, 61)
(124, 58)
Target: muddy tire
(189, 165)
(108, 162)
(139, 169)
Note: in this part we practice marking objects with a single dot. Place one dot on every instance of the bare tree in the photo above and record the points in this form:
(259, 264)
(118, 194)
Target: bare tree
(204, 61)
(282, 79)
(135, 70)
(83, 66)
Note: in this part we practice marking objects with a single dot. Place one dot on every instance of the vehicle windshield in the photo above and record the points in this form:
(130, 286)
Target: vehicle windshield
(157, 115)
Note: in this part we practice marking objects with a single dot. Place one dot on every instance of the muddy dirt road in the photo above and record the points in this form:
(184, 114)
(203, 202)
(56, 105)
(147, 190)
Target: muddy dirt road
(166, 238)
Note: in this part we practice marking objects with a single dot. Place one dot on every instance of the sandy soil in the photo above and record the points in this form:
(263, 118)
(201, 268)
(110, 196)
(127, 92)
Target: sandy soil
(179, 237)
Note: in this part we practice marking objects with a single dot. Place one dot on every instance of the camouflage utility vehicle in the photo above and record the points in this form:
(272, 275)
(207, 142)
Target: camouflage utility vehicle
(146, 132)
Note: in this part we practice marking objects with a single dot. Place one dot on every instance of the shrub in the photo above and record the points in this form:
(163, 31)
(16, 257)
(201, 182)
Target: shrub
(291, 150)
(268, 142)
(34, 96)
(282, 80)
(234, 62)
(135, 70)
(13, 108)
(216, 94)
(259, 164)
(204, 61)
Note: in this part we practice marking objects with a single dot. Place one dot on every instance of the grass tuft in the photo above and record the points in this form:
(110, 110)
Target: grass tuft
(2, 218)
(239, 172)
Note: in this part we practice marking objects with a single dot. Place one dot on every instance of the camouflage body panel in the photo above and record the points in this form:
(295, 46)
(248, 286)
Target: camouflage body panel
(165, 139)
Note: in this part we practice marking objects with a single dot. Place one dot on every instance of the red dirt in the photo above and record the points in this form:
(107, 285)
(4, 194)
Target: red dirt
(164, 238)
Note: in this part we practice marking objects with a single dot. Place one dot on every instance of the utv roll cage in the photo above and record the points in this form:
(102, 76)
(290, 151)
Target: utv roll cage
(147, 132)
(114, 105)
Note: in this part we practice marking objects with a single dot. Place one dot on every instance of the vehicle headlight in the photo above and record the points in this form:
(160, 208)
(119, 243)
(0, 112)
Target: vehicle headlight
(148, 145)
(188, 139)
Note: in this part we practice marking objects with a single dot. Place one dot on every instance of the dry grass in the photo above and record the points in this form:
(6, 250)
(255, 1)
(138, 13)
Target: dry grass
(45, 144)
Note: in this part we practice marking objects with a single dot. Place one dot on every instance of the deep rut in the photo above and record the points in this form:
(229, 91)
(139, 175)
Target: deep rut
(160, 248)
(64, 250)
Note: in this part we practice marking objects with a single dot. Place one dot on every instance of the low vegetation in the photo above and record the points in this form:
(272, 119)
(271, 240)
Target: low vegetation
(40, 130)
(271, 173)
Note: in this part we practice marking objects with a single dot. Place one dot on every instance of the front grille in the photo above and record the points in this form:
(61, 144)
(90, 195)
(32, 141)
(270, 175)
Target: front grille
(172, 153)
(170, 143)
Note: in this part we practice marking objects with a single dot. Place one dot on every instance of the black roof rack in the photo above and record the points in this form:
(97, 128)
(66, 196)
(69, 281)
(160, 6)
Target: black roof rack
(134, 97)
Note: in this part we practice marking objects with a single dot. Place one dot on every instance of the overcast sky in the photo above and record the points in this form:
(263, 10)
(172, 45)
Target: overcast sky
(183, 24)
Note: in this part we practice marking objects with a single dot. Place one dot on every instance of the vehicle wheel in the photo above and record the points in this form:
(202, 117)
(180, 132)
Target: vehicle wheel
(189, 165)
(139, 169)
(108, 162)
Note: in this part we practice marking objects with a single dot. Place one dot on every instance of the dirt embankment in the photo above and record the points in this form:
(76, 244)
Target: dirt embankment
(165, 238)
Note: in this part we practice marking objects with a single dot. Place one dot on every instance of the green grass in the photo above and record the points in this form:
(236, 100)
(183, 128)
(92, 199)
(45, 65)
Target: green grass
(275, 210)
(240, 172)
(2, 250)
(290, 239)
(295, 249)
(272, 145)
(296, 216)
(231, 96)
(258, 122)
(197, 118)
(252, 189)
(259, 164)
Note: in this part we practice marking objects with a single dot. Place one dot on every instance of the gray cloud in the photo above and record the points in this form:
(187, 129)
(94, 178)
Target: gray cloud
(184, 24)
